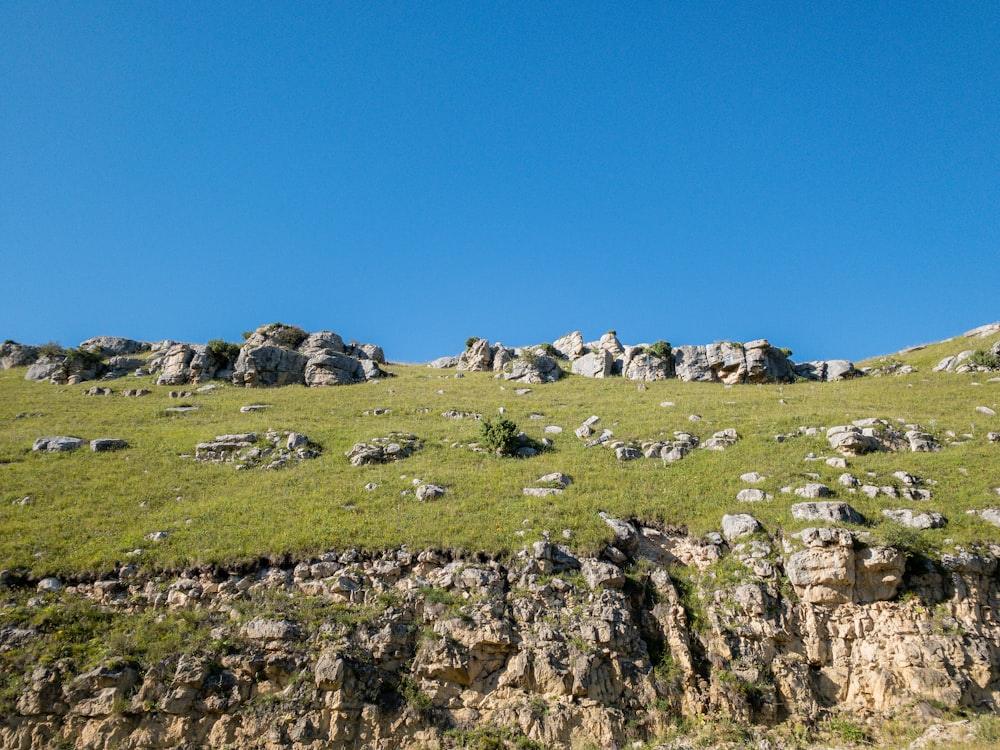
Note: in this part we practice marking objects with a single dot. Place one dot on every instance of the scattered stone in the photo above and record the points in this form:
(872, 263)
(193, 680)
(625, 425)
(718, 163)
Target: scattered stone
(371, 486)
(739, 525)
(813, 490)
(181, 409)
(382, 450)
(752, 477)
(993, 437)
(833, 512)
(96, 390)
(58, 444)
(49, 585)
(103, 445)
(157, 536)
(556, 478)
(429, 492)
(541, 491)
(991, 515)
(255, 407)
(915, 520)
(247, 450)
(135, 392)
(602, 575)
(848, 480)
(721, 440)
(442, 363)
(625, 453)
(461, 415)
(986, 410)
(522, 391)
(836, 462)
(552, 429)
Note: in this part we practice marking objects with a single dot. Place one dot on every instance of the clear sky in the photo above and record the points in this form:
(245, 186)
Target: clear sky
(822, 174)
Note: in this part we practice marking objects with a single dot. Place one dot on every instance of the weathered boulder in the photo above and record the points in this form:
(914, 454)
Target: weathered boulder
(691, 364)
(728, 361)
(877, 574)
(442, 363)
(915, 519)
(321, 343)
(13, 354)
(831, 511)
(114, 346)
(739, 525)
(852, 440)
(647, 367)
(59, 444)
(766, 363)
(840, 369)
(609, 342)
(381, 450)
(182, 364)
(332, 368)
(267, 365)
(477, 358)
(533, 367)
(429, 492)
(594, 364)
(570, 346)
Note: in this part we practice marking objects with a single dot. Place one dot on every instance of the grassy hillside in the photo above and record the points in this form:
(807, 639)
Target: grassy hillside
(88, 511)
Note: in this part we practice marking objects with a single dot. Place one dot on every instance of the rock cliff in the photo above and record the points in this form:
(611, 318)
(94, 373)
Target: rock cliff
(544, 649)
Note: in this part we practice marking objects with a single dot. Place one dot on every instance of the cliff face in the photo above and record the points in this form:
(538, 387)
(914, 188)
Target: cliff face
(423, 650)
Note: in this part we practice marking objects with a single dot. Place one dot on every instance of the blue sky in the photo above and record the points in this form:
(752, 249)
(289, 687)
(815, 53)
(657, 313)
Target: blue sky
(826, 175)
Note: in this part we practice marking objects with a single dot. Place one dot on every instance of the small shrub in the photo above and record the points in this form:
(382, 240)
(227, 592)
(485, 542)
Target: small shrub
(983, 358)
(81, 357)
(786, 351)
(611, 332)
(913, 543)
(661, 349)
(51, 349)
(850, 732)
(471, 340)
(530, 356)
(549, 349)
(499, 435)
(224, 350)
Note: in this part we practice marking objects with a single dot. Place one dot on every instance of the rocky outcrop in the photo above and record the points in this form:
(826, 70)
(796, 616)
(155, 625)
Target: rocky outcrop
(409, 649)
(532, 366)
(248, 450)
(183, 364)
(13, 354)
(114, 346)
(277, 354)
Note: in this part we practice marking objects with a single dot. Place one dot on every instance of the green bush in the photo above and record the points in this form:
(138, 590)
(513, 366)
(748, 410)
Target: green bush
(499, 435)
(51, 349)
(549, 349)
(471, 340)
(661, 349)
(983, 358)
(224, 350)
(786, 351)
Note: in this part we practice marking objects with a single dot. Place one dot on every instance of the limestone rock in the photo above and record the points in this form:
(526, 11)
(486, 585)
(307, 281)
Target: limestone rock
(477, 358)
(429, 492)
(183, 364)
(813, 490)
(570, 346)
(594, 365)
(114, 346)
(442, 363)
(268, 365)
(739, 525)
(832, 512)
(381, 450)
(647, 367)
(13, 354)
(691, 364)
(751, 495)
(915, 519)
(533, 367)
(58, 444)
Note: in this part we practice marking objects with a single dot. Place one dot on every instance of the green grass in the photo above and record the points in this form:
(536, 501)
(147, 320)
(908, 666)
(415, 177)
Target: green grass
(87, 511)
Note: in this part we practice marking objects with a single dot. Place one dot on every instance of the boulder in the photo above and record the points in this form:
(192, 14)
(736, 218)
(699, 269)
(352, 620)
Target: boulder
(647, 367)
(533, 367)
(691, 364)
(840, 369)
(602, 575)
(877, 574)
(813, 490)
(13, 354)
(749, 495)
(279, 335)
(597, 364)
(502, 356)
(831, 512)
(739, 525)
(570, 346)
(442, 363)
(268, 365)
(766, 363)
(429, 492)
(477, 358)
(332, 368)
(46, 369)
(59, 444)
(609, 342)
(914, 519)
(182, 364)
(728, 361)
(321, 343)
(114, 346)
(815, 370)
